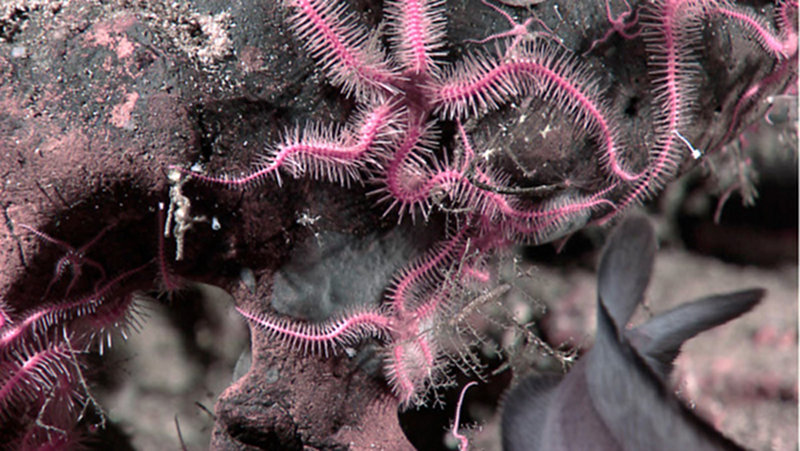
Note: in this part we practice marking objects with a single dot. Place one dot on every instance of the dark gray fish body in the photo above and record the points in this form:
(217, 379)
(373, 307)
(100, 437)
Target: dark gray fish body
(615, 397)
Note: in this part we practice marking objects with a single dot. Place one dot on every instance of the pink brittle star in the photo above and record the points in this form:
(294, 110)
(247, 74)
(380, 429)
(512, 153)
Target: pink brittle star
(392, 138)
(406, 91)
(620, 25)
(519, 31)
(74, 259)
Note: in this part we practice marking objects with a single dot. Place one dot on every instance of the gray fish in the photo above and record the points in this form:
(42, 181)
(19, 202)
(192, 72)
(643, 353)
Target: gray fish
(615, 397)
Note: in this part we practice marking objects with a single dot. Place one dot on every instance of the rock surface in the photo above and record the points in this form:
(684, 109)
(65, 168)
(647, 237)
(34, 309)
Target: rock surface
(98, 99)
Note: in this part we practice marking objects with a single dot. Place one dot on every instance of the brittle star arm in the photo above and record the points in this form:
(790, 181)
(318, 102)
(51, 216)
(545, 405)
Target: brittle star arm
(351, 56)
(74, 258)
(463, 442)
(45, 318)
(483, 83)
(670, 33)
(429, 269)
(619, 24)
(29, 373)
(324, 152)
(780, 44)
(418, 31)
(320, 338)
(410, 184)
(518, 31)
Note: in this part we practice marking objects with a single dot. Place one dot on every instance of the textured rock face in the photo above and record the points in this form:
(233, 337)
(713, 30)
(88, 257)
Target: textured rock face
(96, 101)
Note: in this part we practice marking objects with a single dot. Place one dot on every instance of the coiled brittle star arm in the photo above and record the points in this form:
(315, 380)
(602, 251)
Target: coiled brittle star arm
(323, 337)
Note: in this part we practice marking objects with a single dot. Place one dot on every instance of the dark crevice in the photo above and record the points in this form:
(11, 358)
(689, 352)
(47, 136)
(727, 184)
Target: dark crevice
(424, 426)
(633, 106)
(265, 439)
(763, 234)
(11, 26)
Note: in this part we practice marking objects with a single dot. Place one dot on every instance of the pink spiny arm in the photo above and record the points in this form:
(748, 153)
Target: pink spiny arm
(557, 217)
(410, 184)
(668, 39)
(11, 334)
(532, 223)
(398, 376)
(411, 368)
(351, 57)
(408, 179)
(319, 337)
(5, 314)
(428, 269)
(428, 352)
(429, 307)
(339, 159)
(780, 45)
(474, 86)
(120, 316)
(670, 36)
(463, 442)
(27, 376)
(44, 318)
(771, 78)
(787, 23)
(672, 42)
(323, 152)
(481, 84)
(418, 33)
(410, 197)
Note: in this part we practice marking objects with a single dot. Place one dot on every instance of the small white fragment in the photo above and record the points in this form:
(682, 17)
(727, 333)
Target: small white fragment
(307, 219)
(248, 278)
(558, 13)
(174, 176)
(19, 52)
(547, 129)
(215, 225)
(696, 154)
